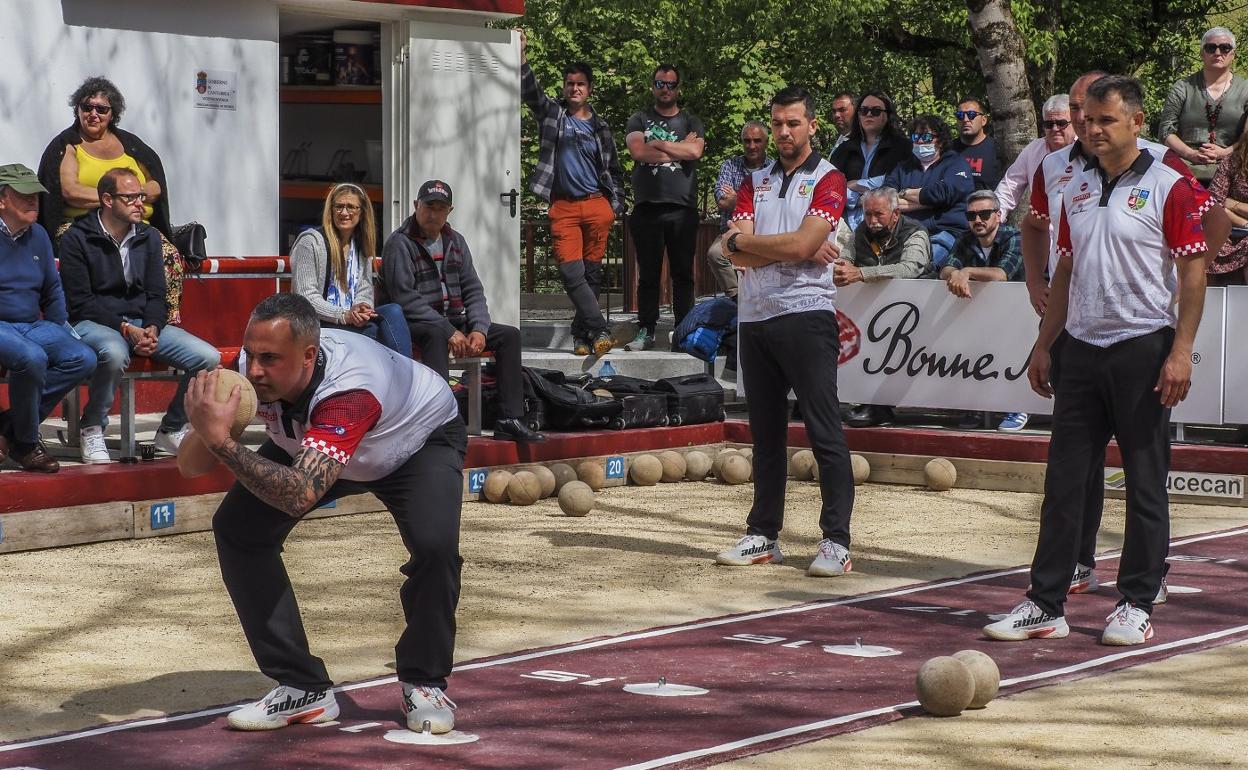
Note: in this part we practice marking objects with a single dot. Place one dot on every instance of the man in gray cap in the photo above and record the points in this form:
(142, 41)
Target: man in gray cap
(44, 361)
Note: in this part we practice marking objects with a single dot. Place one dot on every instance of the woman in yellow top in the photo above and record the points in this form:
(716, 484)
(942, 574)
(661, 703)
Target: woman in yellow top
(77, 157)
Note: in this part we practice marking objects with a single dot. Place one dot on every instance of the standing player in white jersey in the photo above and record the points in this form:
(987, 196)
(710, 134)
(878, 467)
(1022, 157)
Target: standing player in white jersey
(1040, 261)
(788, 334)
(1129, 291)
(344, 416)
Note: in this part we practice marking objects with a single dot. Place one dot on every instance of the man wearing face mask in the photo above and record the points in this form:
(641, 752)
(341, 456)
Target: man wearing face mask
(932, 186)
(888, 244)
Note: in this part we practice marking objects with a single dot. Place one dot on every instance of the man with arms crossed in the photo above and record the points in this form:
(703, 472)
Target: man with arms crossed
(344, 415)
(788, 334)
(1130, 245)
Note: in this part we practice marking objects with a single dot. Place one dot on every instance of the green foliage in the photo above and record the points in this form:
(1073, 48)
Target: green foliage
(734, 54)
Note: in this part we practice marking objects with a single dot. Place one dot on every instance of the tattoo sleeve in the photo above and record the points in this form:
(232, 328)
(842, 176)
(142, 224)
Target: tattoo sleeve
(294, 489)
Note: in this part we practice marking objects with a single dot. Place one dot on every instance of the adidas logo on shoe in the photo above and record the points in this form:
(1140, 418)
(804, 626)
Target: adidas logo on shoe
(751, 549)
(284, 706)
(1028, 621)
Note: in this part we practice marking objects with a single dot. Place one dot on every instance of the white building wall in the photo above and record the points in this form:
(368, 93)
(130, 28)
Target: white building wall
(221, 165)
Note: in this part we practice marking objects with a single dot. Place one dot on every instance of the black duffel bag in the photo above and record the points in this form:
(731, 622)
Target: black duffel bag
(692, 399)
(568, 405)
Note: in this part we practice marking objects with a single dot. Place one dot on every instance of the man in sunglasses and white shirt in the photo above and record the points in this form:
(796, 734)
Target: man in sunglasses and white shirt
(114, 279)
(1059, 132)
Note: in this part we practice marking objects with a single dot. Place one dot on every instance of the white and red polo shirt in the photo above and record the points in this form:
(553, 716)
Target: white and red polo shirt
(366, 407)
(1122, 237)
(778, 203)
(1059, 166)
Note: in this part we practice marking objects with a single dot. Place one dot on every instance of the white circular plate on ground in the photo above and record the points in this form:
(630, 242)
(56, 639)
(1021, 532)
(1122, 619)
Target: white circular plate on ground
(861, 650)
(1182, 590)
(413, 738)
(664, 689)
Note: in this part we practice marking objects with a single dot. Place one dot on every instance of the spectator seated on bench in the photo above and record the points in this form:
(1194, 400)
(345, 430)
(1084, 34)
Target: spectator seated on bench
(427, 269)
(114, 279)
(42, 359)
(332, 267)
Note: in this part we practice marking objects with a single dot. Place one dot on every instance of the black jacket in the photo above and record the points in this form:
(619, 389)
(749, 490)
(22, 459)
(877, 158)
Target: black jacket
(52, 203)
(95, 287)
(849, 160)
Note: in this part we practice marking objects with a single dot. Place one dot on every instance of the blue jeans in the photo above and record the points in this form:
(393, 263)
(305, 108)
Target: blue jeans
(176, 348)
(389, 327)
(45, 362)
(942, 244)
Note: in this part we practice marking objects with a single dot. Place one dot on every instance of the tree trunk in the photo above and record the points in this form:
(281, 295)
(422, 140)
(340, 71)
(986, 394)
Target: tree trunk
(1000, 48)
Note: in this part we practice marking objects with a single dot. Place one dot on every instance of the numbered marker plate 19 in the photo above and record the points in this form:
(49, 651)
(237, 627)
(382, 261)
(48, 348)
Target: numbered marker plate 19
(663, 689)
(413, 738)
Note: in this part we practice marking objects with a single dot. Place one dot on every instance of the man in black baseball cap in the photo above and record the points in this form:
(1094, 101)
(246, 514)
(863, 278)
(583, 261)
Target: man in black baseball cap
(43, 359)
(427, 269)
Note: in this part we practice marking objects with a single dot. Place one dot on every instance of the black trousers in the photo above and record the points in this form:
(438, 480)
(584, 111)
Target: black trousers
(797, 351)
(582, 280)
(1105, 392)
(656, 226)
(423, 495)
(1094, 497)
(500, 339)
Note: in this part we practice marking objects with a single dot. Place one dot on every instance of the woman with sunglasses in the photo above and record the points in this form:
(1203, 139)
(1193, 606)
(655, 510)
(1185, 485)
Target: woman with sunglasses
(1200, 114)
(332, 266)
(933, 184)
(76, 158)
(875, 146)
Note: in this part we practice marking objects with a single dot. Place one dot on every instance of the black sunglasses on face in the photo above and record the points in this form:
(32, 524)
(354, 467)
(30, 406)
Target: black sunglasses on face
(98, 109)
(968, 114)
(982, 216)
(1222, 48)
(670, 85)
(1049, 125)
(873, 112)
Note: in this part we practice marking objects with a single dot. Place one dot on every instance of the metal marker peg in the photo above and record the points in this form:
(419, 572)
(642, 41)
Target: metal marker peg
(662, 681)
(426, 727)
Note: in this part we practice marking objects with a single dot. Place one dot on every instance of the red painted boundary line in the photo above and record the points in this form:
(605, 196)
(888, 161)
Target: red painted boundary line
(160, 479)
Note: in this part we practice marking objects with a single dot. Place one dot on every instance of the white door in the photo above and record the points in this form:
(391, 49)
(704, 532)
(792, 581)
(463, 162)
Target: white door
(463, 127)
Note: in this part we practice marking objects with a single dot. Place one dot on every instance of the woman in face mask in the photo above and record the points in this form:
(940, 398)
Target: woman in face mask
(933, 185)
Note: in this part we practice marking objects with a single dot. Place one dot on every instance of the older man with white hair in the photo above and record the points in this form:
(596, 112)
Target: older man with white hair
(1059, 131)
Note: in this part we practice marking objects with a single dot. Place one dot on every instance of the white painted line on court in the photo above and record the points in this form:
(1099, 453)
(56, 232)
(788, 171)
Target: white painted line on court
(725, 748)
(91, 732)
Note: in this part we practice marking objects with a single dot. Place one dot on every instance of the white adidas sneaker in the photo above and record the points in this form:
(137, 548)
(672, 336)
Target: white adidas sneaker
(284, 706)
(832, 560)
(751, 549)
(1028, 621)
(1083, 581)
(1127, 625)
(427, 709)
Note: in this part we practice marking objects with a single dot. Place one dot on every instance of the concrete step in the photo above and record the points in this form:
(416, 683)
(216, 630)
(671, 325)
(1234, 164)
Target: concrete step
(557, 334)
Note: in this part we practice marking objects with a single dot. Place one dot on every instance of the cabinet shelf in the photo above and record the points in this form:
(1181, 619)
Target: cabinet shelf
(330, 94)
(313, 190)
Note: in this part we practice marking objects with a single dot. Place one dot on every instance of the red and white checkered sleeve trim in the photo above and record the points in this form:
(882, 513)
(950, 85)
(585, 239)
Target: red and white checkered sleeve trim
(1065, 251)
(338, 424)
(1039, 196)
(1180, 222)
(745, 200)
(1065, 248)
(828, 199)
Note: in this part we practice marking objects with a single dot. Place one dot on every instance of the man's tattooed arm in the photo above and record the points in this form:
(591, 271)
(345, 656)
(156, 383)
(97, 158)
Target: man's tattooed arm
(293, 490)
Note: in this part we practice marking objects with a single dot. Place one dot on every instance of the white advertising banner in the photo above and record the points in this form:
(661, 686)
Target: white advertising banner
(1235, 393)
(912, 343)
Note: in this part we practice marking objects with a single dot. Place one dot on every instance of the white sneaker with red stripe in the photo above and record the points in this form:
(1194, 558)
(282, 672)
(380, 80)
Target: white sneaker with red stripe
(1028, 621)
(1083, 581)
(428, 710)
(1127, 625)
(284, 706)
(751, 549)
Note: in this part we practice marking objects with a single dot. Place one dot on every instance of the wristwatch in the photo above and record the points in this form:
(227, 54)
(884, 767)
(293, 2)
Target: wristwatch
(731, 243)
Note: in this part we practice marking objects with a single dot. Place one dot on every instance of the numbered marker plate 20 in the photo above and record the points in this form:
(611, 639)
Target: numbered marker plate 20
(664, 689)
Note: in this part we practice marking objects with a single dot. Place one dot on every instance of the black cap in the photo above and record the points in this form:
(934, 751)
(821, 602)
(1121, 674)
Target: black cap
(434, 190)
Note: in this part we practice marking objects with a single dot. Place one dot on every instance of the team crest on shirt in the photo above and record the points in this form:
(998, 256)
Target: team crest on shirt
(1137, 199)
(805, 188)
